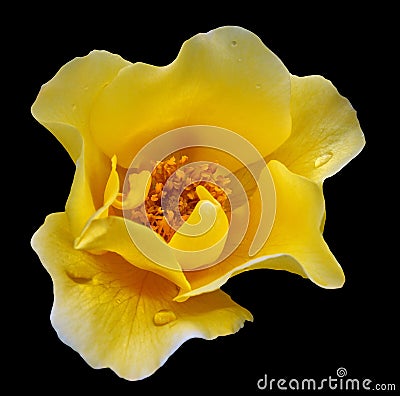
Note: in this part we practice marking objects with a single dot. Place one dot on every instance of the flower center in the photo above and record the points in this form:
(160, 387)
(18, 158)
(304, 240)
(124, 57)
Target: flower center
(169, 177)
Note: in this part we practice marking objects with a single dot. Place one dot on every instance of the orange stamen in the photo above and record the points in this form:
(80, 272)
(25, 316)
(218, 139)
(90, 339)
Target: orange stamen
(163, 184)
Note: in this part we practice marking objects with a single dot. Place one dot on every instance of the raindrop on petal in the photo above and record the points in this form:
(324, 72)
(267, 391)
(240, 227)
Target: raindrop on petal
(323, 159)
(163, 317)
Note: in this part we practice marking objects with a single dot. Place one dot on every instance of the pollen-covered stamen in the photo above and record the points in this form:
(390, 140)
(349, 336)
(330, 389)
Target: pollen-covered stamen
(167, 178)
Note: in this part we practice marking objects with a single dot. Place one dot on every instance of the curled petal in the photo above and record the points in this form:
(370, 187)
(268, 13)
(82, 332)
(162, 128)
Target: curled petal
(199, 242)
(113, 234)
(119, 316)
(95, 181)
(296, 232)
(326, 133)
(139, 188)
(295, 243)
(110, 194)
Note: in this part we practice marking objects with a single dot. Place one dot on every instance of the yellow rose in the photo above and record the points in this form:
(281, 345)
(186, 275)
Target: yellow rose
(130, 286)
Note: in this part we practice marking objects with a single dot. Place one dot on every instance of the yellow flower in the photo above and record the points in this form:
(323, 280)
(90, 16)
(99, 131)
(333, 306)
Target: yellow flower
(130, 286)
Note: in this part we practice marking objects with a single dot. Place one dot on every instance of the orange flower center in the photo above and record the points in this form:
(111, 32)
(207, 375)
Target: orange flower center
(167, 178)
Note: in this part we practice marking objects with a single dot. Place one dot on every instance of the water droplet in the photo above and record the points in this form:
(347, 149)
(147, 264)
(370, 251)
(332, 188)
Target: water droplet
(80, 279)
(163, 317)
(234, 43)
(118, 301)
(239, 59)
(258, 86)
(323, 159)
(73, 107)
(85, 88)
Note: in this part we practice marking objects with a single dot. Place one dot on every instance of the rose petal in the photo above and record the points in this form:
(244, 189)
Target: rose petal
(114, 234)
(296, 231)
(326, 133)
(121, 317)
(63, 106)
(139, 188)
(225, 78)
(202, 246)
(295, 243)
(93, 170)
(110, 194)
(64, 103)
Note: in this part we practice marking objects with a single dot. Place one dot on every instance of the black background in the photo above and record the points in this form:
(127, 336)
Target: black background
(299, 330)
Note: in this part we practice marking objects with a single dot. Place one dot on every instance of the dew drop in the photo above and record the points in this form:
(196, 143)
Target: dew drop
(234, 43)
(258, 86)
(73, 107)
(323, 159)
(239, 59)
(118, 301)
(85, 88)
(80, 279)
(163, 317)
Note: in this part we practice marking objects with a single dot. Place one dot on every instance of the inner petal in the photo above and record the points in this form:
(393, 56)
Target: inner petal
(199, 242)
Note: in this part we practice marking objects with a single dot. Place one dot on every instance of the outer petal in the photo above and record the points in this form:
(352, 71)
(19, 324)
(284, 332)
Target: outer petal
(296, 231)
(63, 105)
(225, 78)
(295, 243)
(326, 133)
(121, 317)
